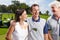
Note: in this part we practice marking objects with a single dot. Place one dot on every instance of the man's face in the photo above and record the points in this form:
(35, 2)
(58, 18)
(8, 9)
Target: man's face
(55, 10)
(35, 11)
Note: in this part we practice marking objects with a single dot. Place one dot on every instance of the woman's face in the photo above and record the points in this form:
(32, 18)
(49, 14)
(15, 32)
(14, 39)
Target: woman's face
(23, 16)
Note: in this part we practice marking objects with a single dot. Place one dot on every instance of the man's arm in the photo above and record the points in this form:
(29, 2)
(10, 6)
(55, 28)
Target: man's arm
(49, 31)
(46, 32)
(49, 35)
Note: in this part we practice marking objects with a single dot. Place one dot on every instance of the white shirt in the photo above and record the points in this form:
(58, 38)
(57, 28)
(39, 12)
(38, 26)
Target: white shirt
(53, 25)
(19, 33)
(39, 26)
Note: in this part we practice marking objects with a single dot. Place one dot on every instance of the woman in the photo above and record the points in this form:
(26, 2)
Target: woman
(19, 31)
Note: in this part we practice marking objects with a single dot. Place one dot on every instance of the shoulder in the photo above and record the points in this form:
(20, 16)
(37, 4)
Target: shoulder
(49, 18)
(43, 20)
(29, 18)
(26, 23)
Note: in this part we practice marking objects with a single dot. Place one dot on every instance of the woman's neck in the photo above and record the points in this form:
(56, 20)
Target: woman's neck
(21, 22)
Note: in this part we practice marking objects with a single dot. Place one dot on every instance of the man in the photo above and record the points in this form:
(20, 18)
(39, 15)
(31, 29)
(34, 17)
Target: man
(37, 26)
(53, 21)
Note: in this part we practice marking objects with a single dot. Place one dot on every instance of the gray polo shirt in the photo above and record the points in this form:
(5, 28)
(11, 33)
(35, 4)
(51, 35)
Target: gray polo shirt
(36, 29)
(53, 25)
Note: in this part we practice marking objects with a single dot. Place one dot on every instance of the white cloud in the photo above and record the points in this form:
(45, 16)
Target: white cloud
(35, 2)
(22, 1)
(30, 2)
(5, 2)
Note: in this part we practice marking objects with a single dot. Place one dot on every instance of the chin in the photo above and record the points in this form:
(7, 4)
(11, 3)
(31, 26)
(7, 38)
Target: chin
(59, 16)
(36, 15)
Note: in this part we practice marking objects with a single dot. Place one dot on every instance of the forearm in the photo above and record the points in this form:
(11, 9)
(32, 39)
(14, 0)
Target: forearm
(45, 36)
(10, 30)
(8, 37)
(49, 35)
(9, 33)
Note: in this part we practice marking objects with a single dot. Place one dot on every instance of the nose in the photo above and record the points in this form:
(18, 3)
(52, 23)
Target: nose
(36, 12)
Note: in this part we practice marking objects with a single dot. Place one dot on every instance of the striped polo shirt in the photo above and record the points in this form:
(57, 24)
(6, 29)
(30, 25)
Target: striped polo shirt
(53, 25)
(37, 29)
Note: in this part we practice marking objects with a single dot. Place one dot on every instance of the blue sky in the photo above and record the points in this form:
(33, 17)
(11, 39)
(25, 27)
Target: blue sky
(44, 4)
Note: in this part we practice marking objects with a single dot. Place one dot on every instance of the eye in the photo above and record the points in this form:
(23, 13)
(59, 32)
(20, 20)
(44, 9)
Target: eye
(52, 7)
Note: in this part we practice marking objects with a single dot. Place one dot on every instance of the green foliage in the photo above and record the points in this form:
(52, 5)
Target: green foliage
(13, 7)
(5, 16)
(3, 8)
(3, 32)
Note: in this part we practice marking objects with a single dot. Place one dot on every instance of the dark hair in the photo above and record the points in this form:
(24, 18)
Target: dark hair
(34, 6)
(18, 13)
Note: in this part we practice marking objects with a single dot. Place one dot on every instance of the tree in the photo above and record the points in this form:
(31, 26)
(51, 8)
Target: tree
(0, 9)
(16, 3)
(40, 13)
(24, 6)
(3, 8)
(12, 8)
(47, 12)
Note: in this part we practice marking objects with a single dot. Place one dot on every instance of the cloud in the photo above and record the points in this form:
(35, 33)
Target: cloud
(42, 3)
(5, 2)
(30, 2)
(22, 1)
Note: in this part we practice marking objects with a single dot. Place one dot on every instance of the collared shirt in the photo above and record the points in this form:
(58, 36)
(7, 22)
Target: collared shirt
(53, 25)
(36, 20)
(37, 28)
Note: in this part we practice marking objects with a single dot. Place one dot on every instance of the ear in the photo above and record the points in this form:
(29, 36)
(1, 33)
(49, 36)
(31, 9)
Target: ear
(20, 17)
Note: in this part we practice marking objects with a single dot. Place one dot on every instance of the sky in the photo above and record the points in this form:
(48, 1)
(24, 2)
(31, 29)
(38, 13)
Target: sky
(44, 4)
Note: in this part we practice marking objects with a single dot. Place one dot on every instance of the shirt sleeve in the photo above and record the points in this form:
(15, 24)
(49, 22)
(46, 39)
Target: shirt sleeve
(46, 29)
(48, 25)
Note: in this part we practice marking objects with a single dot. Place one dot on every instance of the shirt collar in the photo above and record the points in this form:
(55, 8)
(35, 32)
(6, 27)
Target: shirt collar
(54, 18)
(36, 20)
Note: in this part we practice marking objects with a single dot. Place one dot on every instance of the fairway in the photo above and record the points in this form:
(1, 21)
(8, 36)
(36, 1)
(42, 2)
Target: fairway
(3, 31)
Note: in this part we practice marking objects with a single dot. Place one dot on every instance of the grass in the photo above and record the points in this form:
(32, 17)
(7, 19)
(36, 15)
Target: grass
(3, 33)
(5, 16)
(4, 30)
(44, 16)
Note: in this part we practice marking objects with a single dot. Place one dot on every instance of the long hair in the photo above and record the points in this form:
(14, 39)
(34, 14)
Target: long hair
(18, 13)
